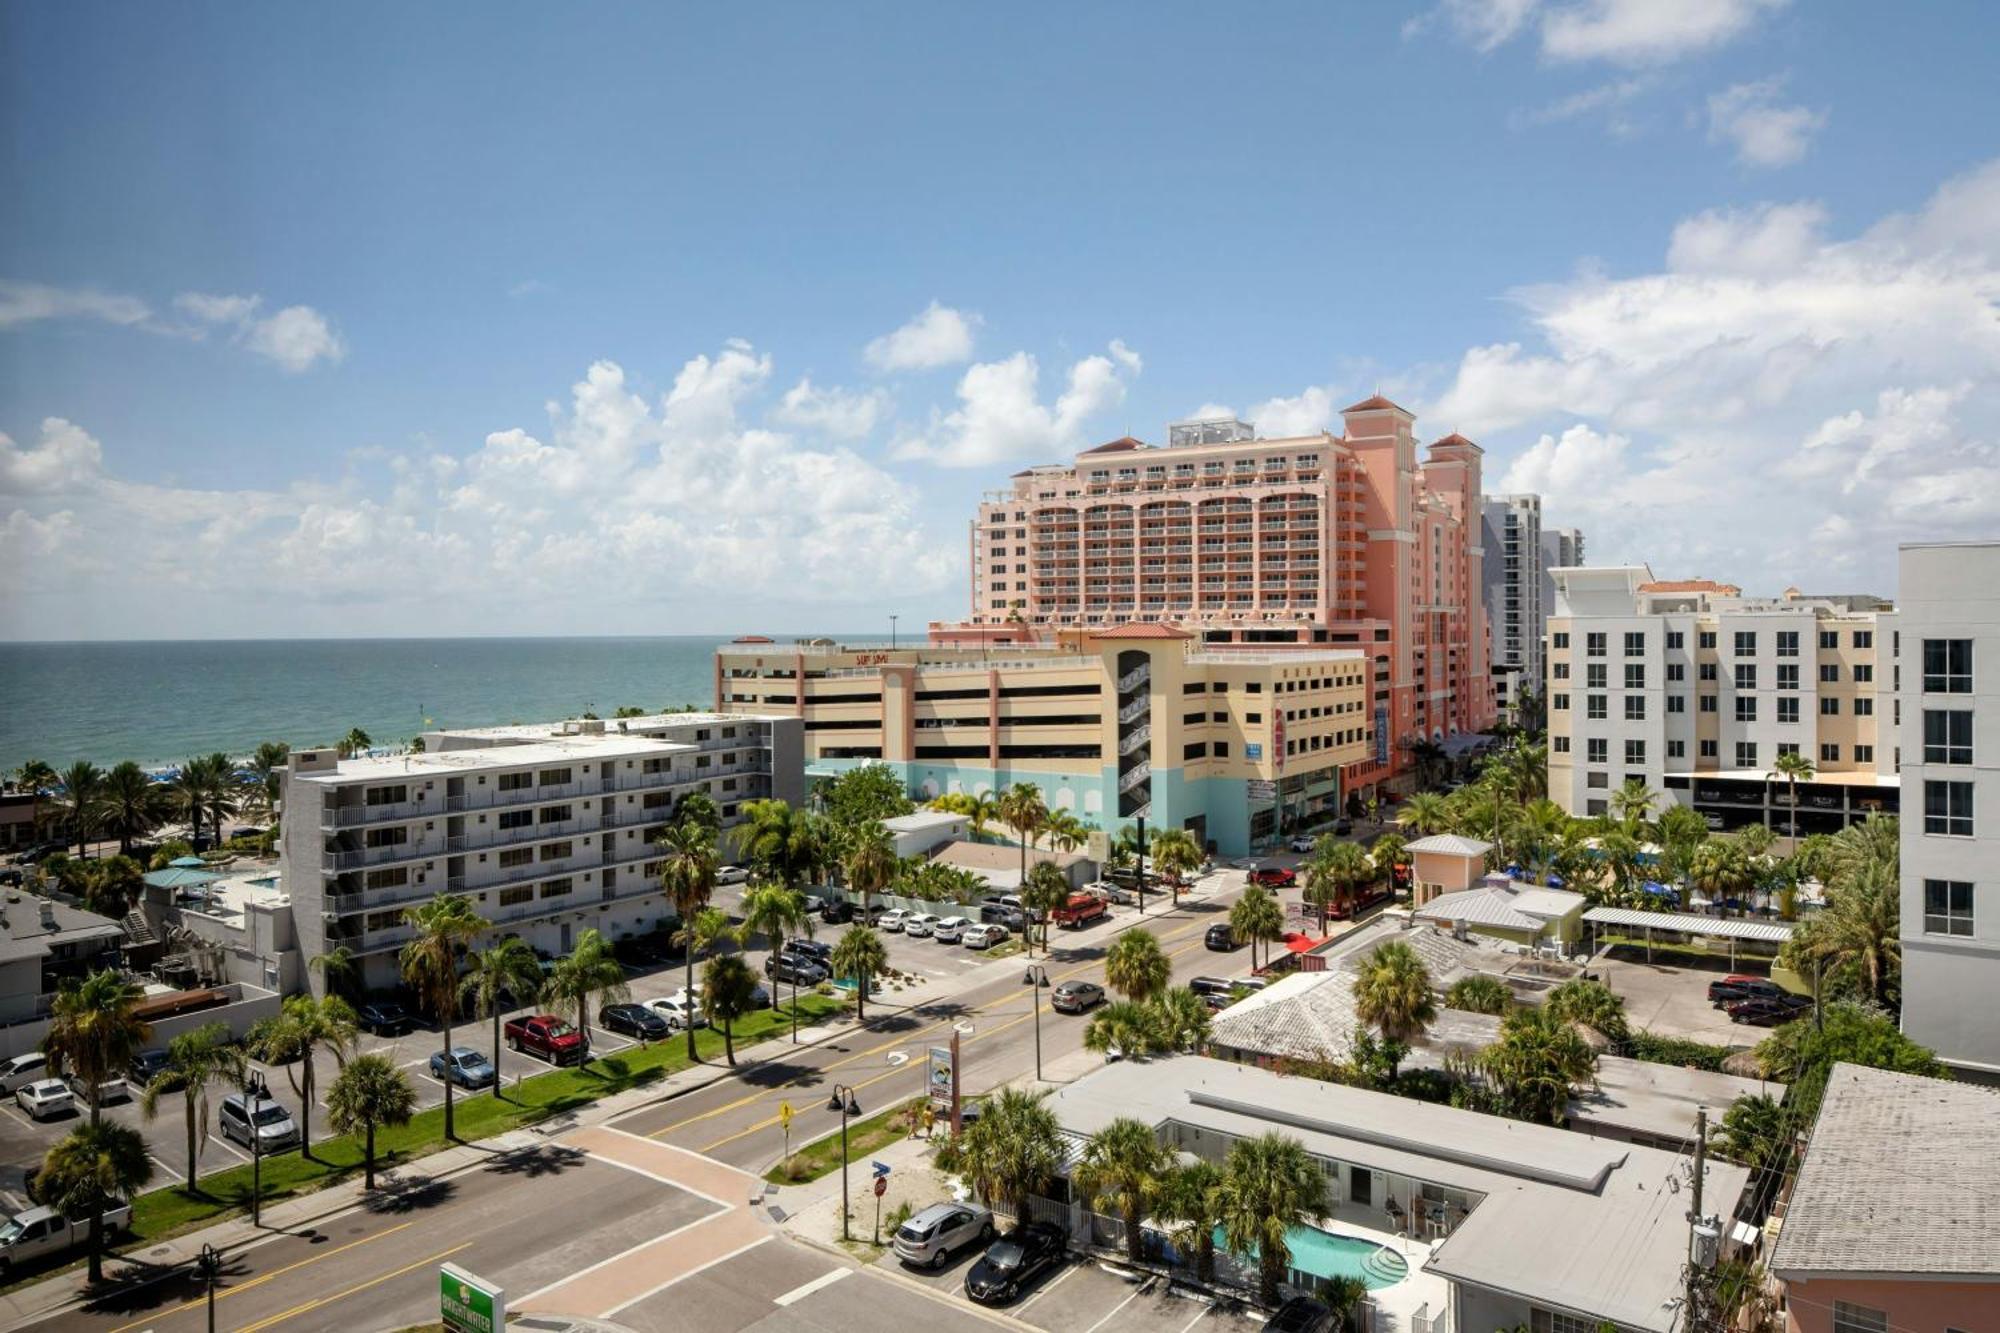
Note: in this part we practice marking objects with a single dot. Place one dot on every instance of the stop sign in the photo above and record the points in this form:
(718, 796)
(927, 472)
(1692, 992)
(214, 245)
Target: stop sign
(881, 1186)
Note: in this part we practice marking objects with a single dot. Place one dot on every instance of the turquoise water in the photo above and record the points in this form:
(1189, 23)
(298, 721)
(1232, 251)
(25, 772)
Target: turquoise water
(1328, 1254)
(159, 703)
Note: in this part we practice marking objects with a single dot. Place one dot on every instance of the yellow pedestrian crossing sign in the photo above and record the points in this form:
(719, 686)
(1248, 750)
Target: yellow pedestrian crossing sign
(785, 1114)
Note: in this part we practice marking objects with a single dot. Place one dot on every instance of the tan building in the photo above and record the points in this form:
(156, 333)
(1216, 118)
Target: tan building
(1235, 743)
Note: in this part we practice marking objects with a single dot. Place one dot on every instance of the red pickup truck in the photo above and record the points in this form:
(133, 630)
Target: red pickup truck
(547, 1036)
(1080, 911)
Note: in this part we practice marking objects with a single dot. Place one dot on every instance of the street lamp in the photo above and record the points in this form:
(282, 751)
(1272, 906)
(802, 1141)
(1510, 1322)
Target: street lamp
(1038, 977)
(209, 1264)
(892, 631)
(842, 1102)
(255, 1092)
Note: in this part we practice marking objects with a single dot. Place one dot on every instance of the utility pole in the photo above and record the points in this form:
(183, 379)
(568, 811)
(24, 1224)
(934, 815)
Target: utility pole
(1694, 1217)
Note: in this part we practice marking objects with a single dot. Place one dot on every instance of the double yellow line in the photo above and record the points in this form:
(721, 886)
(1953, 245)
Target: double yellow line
(318, 1301)
(261, 1279)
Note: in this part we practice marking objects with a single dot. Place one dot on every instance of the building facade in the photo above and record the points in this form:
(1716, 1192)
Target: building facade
(1514, 572)
(1562, 548)
(1235, 743)
(1696, 690)
(1341, 541)
(1950, 697)
(547, 830)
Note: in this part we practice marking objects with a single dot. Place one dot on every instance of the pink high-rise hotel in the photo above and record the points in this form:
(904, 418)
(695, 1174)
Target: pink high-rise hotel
(1346, 540)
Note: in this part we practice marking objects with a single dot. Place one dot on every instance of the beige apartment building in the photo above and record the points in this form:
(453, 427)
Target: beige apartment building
(1235, 743)
(1696, 690)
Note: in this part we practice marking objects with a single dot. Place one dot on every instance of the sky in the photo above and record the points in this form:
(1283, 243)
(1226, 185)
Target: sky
(452, 319)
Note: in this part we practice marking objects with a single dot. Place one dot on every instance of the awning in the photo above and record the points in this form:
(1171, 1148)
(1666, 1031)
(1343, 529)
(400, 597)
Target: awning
(189, 863)
(1691, 923)
(180, 877)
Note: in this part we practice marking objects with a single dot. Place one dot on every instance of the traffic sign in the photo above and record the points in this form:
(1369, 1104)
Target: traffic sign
(881, 1186)
(785, 1114)
(881, 1169)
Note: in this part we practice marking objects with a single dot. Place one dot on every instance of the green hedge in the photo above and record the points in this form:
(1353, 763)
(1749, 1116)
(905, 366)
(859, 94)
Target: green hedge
(1677, 1051)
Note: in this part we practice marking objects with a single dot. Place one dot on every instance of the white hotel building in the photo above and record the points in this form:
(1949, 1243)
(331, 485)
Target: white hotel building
(546, 829)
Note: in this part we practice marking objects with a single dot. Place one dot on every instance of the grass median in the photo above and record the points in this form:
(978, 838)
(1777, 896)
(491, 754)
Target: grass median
(863, 1137)
(169, 1211)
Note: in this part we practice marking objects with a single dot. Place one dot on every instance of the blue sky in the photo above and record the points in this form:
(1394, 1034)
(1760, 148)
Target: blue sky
(491, 319)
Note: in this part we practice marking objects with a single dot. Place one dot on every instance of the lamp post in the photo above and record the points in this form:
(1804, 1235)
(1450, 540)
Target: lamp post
(209, 1264)
(842, 1101)
(1038, 977)
(254, 1093)
(892, 632)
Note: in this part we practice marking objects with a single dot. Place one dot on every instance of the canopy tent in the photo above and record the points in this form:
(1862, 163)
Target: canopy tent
(1690, 923)
(178, 876)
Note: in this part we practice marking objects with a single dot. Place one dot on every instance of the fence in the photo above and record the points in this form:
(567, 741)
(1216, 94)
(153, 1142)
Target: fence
(249, 1003)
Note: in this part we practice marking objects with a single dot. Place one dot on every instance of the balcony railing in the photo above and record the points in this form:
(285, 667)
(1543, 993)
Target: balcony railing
(1136, 677)
(1135, 775)
(1134, 709)
(1136, 739)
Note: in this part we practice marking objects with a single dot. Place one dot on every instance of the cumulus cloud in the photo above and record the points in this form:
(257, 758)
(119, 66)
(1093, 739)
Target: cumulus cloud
(1624, 32)
(1001, 417)
(30, 302)
(297, 337)
(940, 336)
(1765, 133)
(844, 414)
(66, 458)
(1305, 414)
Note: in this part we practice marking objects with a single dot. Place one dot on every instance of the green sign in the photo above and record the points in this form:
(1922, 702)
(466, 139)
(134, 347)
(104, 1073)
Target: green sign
(470, 1304)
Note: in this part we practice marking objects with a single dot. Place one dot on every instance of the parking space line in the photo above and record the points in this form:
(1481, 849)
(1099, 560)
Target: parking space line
(1047, 1287)
(1132, 1296)
(819, 1283)
(1205, 1311)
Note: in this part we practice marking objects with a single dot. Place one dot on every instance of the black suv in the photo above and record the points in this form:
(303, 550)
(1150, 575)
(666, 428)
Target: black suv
(1219, 938)
(812, 950)
(1301, 1314)
(384, 1018)
(794, 969)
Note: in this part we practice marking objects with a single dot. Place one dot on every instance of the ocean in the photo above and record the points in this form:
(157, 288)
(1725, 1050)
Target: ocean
(161, 702)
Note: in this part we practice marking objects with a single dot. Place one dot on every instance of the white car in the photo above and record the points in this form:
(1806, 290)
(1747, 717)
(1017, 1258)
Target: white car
(984, 937)
(919, 925)
(1303, 843)
(950, 930)
(678, 1012)
(893, 920)
(19, 1072)
(731, 875)
(44, 1098)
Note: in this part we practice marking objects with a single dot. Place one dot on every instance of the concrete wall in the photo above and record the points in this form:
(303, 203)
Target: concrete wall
(1912, 1304)
(253, 1003)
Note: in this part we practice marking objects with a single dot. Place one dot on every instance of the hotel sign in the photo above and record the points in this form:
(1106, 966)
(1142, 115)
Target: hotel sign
(468, 1303)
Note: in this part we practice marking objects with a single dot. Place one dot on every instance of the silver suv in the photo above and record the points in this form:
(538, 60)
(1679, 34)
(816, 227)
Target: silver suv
(931, 1237)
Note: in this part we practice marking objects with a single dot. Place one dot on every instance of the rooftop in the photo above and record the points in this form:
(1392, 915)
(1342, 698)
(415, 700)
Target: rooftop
(922, 820)
(1899, 1177)
(1691, 585)
(1450, 844)
(499, 754)
(30, 924)
(1528, 908)
(612, 726)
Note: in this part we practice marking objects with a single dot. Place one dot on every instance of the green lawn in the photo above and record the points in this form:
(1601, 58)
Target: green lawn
(863, 1137)
(166, 1212)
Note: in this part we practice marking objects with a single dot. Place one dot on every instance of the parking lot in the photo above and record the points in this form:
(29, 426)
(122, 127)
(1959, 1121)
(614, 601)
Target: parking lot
(1671, 999)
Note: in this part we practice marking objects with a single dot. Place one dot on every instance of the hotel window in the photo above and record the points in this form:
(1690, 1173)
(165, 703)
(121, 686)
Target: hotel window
(1705, 639)
(515, 781)
(1948, 808)
(1559, 744)
(516, 896)
(1787, 747)
(1597, 779)
(1829, 706)
(1198, 750)
(1947, 666)
(1746, 754)
(1596, 750)
(1677, 703)
(1708, 671)
(1593, 706)
(1746, 643)
(1675, 640)
(1635, 675)
(1829, 753)
(1864, 707)
(1864, 754)
(1864, 638)
(1851, 1318)
(1788, 710)
(1788, 643)
(1788, 675)
(516, 856)
(1676, 671)
(1635, 643)
(1947, 736)
(1829, 673)
(1222, 749)
(1635, 708)
(1560, 638)
(1708, 703)
(1708, 749)
(1746, 675)
(556, 888)
(1559, 702)
(1829, 638)
(1863, 673)
(1746, 708)
(1947, 907)
(1635, 752)
(1596, 675)
(1561, 670)
(1677, 749)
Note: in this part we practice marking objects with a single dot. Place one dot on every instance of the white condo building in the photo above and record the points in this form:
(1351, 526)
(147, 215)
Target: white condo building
(547, 829)
(1949, 604)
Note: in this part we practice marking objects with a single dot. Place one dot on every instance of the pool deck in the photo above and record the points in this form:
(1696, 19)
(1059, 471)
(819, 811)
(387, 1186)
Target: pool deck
(1395, 1306)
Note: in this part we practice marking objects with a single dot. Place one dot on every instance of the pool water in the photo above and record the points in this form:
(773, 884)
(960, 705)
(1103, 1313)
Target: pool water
(1326, 1254)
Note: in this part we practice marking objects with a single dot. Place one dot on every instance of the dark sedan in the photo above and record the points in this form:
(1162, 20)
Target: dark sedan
(1013, 1261)
(1301, 1314)
(1765, 1012)
(633, 1020)
(384, 1018)
(1075, 997)
(1219, 938)
(794, 970)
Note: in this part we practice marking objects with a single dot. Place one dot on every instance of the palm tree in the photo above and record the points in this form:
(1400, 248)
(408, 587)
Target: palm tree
(981, 810)
(195, 1060)
(1125, 1027)
(1270, 1188)
(89, 1168)
(1191, 1194)
(689, 880)
(35, 776)
(132, 805)
(1022, 807)
(1066, 832)
(870, 862)
(1429, 759)
(776, 913)
(1121, 1169)
(860, 954)
(728, 993)
(1538, 836)
(1389, 852)
(1183, 1018)
(268, 764)
(81, 800)
(1682, 833)
(699, 808)
(1720, 869)
(1333, 874)
(780, 841)
(1176, 855)
(1859, 930)
(1256, 917)
(290, 1037)
(1632, 804)
(370, 1092)
(1590, 1003)
(699, 937)
(335, 967)
(1047, 889)
(1479, 995)
(1392, 994)
(92, 1034)
(356, 741)
(429, 964)
(1136, 966)
(1875, 839)
(1794, 768)
(1014, 1150)
(503, 970)
(590, 969)
(1538, 1063)
(1425, 814)
(1524, 766)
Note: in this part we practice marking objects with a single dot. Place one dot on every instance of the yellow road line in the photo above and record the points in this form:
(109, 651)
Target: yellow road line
(316, 1303)
(226, 1292)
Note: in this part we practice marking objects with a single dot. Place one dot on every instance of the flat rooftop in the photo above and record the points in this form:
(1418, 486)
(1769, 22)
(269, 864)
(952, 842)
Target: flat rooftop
(612, 726)
(229, 899)
(443, 763)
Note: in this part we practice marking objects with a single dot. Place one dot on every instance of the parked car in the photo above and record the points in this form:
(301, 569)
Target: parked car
(678, 1012)
(1111, 893)
(547, 1036)
(147, 1065)
(1304, 842)
(794, 970)
(1274, 877)
(274, 1131)
(818, 951)
(731, 875)
(892, 920)
(1080, 911)
(1013, 1261)
(110, 1090)
(999, 914)
(45, 1098)
(1301, 1314)
(44, 1233)
(950, 929)
(1742, 986)
(1219, 938)
(633, 1020)
(464, 1066)
(384, 1018)
(837, 911)
(1212, 985)
(1075, 997)
(983, 936)
(19, 1072)
(932, 1236)
(919, 925)
(1768, 1012)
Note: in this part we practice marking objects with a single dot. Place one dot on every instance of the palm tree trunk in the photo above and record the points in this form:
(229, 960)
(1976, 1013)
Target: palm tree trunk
(688, 991)
(306, 1105)
(1133, 1246)
(450, 1127)
(368, 1157)
(191, 1140)
(729, 1039)
(96, 1245)
(496, 1051)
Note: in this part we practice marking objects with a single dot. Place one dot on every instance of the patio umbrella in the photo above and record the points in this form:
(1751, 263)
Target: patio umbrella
(189, 863)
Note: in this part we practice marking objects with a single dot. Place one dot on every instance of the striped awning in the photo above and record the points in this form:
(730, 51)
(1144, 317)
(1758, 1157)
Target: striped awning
(1692, 923)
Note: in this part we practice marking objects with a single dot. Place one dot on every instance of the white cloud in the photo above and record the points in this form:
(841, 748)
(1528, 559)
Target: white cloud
(1001, 418)
(1306, 414)
(1482, 24)
(1608, 98)
(1623, 32)
(30, 302)
(297, 338)
(1770, 239)
(1765, 133)
(1126, 357)
(213, 309)
(940, 336)
(66, 458)
(844, 414)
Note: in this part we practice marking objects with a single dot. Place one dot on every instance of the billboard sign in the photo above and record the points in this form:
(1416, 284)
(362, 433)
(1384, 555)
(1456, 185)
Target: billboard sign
(468, 1303)
(938, 1077)
(1278, 741)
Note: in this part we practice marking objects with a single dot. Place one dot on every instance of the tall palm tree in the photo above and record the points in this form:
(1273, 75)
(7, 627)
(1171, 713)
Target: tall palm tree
(780, 841)
(37, 779)
(1191, 1194)
(1389, 851)
(1184, 1019)
(225, 795)
(505, 970)
(860, 954)
(1424, 814)
(1270, 1188)
(1858, 929)
(1392, 994)
(1632, 804)
(1046, 890)
(92, 1033)
(1015, 1149)
(870, 862)
(1539, 1061)
(1720, 869)
(132, 804)
(1337, 869)
(729, 992)
(1065, 831)
(1257, 918)
(86, 1170)
(195, 1060)
(356, 741)
(1525, 768)
(1877, 839)
(292, 1036)
(776, 913)
(1022, 807)
(369, 1093)
(1681, 832)
(590, 969)
(268, 763)
(1136, 966)
(429, 965)
(689, 881)
(1794, 768)
(81, 801)
(982, 811)
(1121, 1169)
(1176, 855)
(1125, 1028)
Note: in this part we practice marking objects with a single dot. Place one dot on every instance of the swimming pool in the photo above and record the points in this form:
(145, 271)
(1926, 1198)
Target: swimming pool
(1327, 1254)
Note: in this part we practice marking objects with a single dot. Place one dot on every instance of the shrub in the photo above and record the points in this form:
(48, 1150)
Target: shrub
(1660, 1050)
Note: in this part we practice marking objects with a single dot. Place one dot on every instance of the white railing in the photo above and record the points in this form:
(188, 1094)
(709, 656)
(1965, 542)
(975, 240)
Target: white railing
(1136, 677)
(1133, 740)
(1134, 709)
(1137, 774)
(1144, 812)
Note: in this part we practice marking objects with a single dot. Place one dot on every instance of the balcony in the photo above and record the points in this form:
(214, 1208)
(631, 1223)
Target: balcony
(348, 816)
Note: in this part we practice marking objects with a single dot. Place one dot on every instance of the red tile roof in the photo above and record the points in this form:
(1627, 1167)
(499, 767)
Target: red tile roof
(1692, 585)
(1143, 630)
(1453, 438)
(1371, 404)
(1117, 446)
